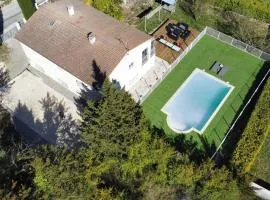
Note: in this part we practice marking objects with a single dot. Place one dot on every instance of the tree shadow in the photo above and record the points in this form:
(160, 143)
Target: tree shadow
(98, 76)
(93, 93)
(210, 148)
(54, 125)
(184, 144)
(235, 135)
(85, 95)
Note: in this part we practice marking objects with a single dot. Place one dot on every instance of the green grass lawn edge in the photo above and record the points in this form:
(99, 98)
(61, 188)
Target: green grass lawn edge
(243, 68)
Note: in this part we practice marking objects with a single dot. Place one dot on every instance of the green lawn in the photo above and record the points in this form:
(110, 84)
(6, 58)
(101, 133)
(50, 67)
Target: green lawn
(242, 72)
(261, 167)
(27, 7)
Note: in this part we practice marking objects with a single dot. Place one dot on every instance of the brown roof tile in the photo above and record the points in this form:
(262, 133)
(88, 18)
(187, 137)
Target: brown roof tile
(63, 39)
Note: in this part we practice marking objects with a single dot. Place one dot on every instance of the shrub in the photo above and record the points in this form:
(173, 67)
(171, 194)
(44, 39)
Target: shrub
(253, 8)
(109, 7)
(255, 132)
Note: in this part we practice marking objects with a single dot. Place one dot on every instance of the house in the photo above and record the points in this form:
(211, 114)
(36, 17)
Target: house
(65, 39)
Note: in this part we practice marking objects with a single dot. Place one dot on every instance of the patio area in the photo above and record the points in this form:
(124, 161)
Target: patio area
(149, 80)
(165, 52)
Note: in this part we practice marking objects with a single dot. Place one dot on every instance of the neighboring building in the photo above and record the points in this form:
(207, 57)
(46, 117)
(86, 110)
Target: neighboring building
(64, 39)
(130, 3)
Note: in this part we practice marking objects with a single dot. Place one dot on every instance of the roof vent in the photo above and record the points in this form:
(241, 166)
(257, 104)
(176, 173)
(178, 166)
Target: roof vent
(70, 9)
(91, 38)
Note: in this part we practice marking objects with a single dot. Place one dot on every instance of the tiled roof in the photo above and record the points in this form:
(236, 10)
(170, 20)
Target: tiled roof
(63, 39)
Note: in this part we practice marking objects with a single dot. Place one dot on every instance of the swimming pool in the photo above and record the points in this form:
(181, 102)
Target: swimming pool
(196, 102)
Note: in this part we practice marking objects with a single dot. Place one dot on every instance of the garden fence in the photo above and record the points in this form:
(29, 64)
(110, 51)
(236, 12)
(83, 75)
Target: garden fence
(238, 44)
(218, 35)
(235, 43)
(174, 64)
(231, 127)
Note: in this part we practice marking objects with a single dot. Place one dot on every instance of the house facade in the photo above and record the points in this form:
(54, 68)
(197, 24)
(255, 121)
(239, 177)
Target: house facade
(65, 40)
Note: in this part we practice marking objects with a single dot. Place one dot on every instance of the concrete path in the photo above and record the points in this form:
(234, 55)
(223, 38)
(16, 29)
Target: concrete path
(149, 80)
(10, 16)
(18, 61)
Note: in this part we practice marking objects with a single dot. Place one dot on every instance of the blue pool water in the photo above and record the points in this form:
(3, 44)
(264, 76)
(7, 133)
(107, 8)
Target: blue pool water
(196, 102)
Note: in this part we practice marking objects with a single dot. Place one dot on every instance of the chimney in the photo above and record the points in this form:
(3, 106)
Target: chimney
(70, 9)
(91, 38)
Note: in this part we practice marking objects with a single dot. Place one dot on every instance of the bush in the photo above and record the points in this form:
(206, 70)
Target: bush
(27, 8)
(255, 132)
(253, 8)
(109, 7)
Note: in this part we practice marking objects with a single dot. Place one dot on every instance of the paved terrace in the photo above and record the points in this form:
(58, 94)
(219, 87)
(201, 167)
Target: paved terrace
(143, 86)
(41, 114)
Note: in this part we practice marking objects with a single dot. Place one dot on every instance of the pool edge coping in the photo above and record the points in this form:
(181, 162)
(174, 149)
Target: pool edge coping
(196, 70)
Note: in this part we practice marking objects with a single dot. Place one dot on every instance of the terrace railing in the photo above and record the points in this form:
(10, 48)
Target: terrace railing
(173, 65)
(189, 47)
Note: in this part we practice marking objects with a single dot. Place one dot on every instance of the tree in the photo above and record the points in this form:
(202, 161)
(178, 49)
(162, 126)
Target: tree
(215, 183)
(59, 172)
(152, 164)
(111, 125)
(4, 53)
(110, 7)
(15, 171)
(62, 173)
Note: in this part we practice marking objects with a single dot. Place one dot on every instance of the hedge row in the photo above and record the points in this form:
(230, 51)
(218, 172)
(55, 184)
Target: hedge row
(255, 132)
(255, 8)
(27, 8)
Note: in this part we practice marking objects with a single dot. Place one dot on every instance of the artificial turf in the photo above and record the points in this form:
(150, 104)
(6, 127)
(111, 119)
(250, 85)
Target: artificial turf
(243, 69)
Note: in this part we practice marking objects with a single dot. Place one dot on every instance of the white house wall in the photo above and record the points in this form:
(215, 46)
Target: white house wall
(127, 77)
(50, 69)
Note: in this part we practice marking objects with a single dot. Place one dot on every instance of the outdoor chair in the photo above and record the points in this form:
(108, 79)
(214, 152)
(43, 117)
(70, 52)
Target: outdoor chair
(186, 34)
(215, 67)
(173, 35)
(183, 26)
(222, 71)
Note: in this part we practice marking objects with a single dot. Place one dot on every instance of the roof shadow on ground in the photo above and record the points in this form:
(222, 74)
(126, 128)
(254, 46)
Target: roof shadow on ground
(56, 126)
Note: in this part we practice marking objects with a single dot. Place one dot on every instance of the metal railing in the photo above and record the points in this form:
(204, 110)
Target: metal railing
(233, 42)
(238, 44)
(174, 64)
(220, 36)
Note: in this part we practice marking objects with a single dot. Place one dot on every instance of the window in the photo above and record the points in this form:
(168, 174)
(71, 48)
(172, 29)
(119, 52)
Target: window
(131, 65)
(144, 56)
(153, 48)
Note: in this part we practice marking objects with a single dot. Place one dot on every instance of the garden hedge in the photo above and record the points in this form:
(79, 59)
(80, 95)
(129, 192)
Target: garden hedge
(255, 132)
(254, 8)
